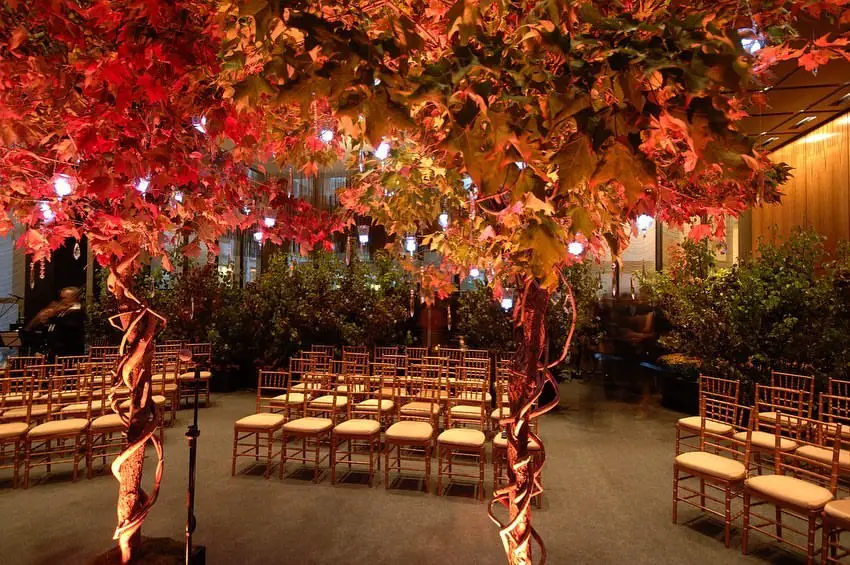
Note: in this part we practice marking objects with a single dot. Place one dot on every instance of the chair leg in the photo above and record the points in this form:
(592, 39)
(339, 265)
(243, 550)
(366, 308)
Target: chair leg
(481, 461)
(826, 541)
(428, 468)
(270, 441)
(439, 470)
(778, 522)
(27, 455)
(727, 515)
(283, 450)
(745, 536)
(333, 458)
(316, 469)
(675, 493)
(76, 456)
(810, 546)
(235, 442)
(387, 447)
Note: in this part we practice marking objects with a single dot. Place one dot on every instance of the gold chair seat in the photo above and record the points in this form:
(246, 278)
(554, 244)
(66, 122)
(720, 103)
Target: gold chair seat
(36, 411)
(357, 427)
(289, 398)
(500, 441)
(464, 411)
(462, 437)
(190, 376)
(767, 440)
(261, 422)
(411, 431)
(107, 422)
(59, 427)
(711, 426)
(787, 420)
(712, 464)
(158, 400)
(824, 455)
(13, 429)
(307, 386)
(328, 401)
(372, 405)
(839, 510)
(501, 413)
(790, 490)
(359, 389)
(309, 424)
(82, 407)
(420, 408)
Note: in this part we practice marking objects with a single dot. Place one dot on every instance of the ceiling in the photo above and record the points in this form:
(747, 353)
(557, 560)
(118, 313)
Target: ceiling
(798, 102)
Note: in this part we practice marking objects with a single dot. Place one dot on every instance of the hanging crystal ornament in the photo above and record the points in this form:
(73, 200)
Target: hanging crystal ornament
(347, 250)
(412, 302)
(449, 317)
(77, 251)
(41, 268)
(32, 274)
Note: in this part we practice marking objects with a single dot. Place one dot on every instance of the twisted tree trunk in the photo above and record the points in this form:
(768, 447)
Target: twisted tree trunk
(140, 326)
(528, 377)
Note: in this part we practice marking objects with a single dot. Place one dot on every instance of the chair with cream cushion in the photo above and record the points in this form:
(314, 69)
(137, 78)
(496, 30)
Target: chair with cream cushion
(461, 448)
(255, 434)
(688, 428)
(716, 465)
(18, 391)
(59, 439)
(382, 392)
(800, 488)
(467, 404)
(313, 429)
(107, 433)
(411, 438)
(788, 393)
(381, 352)
(360, 431)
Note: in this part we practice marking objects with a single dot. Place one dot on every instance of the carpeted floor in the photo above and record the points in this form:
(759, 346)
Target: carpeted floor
(607, 500)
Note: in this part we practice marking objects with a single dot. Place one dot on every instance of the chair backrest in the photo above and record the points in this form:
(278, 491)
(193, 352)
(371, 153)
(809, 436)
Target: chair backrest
(96, 381)
(16, 391)
(427, 389)
(791, 380)
(508, 356)
(97, 352)
(380, 352)
(71, 363)
(21, 363)
(474, 369)
(791, 402)
(721, 410)
(469, 392)
(359, 387)
(64, 390)
(838, 387)
(397, 361)
(359, 359)
(348, 349)
(476, 354)
(326, 350)
(723, 389)
(416, 352)
(449, 353)
(835, 409)
(317, 361)
(269, 385)
(201, 354)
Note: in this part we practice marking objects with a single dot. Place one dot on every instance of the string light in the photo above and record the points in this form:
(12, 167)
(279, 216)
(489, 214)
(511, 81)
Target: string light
(178, 196)
(47, 212)
(507, 303)
(258, 236)
(63, 185)
(521, 165)
(269, 222)
(575, 248)
(474, 272)
(383, 150)
(200, 124)
(410, 244)
(327, 135)
(644, 223)
(143, 184)
(363, 234)
(443, 220)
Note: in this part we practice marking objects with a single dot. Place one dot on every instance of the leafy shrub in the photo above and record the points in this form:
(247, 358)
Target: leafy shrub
(784, 309)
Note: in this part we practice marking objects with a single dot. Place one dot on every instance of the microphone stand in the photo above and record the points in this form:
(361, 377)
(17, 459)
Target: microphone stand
(192, 436)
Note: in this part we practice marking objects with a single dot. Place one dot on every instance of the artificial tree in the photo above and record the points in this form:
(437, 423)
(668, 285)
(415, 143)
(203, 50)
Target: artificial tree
(113, 128)
(542, 130)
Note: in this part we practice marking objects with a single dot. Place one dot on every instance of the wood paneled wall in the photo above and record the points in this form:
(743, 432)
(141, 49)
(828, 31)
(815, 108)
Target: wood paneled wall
(818, 196)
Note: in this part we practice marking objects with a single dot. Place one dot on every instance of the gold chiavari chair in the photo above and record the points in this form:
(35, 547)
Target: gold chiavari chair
(360, 430)
(399, 362)
(835, 409)
(201, 359)
(411, 438)
(58, 440)
(383, 391)
(358, 360)
(789, 402)
(90, 393)
(836, 520)
(316, 361)
(790, 381)
(326, 350)
(689, 427)
(456, 446)
(313, 429)
(101, 352)
(165, 372)
(71, 363)
(274, 395)
(255, 434)
(107, 433)
(354, 349)
(17, 391)
(478, 354)
(716, 464)
(416, 352)
(800, 488)
(16, 364)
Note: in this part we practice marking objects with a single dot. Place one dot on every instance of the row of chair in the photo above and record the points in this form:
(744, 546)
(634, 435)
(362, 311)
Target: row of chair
(774, 453)
(346, 409)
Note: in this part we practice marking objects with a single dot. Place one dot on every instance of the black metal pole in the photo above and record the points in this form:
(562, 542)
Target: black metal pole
(192, 435)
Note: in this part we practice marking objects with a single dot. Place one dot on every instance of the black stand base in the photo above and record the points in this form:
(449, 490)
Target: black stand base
(156, 551)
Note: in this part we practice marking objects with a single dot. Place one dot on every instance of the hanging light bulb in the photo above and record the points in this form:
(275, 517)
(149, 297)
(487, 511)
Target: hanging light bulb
(507, 302)
(63, 185)
(143, 184)
(327, 135)
(467, 182)
(377, 81)
(383, 150)
(474, 272)
(258, 236)
(575, 248)
(269, 222)
(32, 275)
(521, 165)
(363, 234)
(178, 196)
(42, 267)
(644, 223)
(410, 244)
(200, 124)
(77, 251)
(47, 213)
(443, 220)
(751, 40)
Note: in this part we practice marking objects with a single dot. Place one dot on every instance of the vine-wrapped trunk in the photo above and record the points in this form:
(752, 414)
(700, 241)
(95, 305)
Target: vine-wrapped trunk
(528, 376)
(140, 326)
